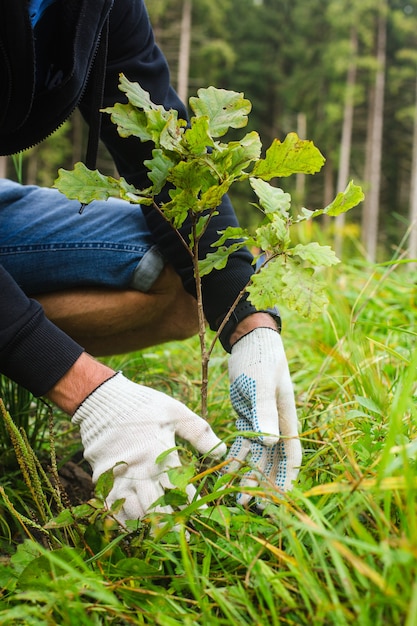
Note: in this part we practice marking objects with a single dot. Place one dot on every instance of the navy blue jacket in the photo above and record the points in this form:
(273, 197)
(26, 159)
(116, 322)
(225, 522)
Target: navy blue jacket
(32, 106)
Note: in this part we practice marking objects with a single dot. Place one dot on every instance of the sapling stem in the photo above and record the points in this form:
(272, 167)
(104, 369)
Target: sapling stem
(201, 325)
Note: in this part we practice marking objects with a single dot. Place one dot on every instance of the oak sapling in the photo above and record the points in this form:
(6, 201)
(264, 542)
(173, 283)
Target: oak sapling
(200, 169)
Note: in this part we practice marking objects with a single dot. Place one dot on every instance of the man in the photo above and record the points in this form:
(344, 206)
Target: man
(116, 278)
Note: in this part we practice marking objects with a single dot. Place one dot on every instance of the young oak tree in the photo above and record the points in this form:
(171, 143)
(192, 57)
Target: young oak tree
(200, 169)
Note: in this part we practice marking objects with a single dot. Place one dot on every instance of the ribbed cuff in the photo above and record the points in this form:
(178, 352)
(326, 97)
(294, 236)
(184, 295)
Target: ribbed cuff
(78, 414)
(40, 355)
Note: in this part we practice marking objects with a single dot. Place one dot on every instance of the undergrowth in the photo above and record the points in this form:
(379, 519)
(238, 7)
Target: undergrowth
(341, 548)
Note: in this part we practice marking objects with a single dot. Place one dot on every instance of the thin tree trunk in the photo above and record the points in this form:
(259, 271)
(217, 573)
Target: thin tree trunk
(300, 181)
(32, 166)
(412, 247)
(184, 53)
(3, 166)
(369, 143)
(371, 206)
(328, 191)
(77, 137)
(346, 140)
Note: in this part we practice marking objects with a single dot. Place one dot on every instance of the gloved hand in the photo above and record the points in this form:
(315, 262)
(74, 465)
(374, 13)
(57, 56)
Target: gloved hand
(261, 393)
(124, 421)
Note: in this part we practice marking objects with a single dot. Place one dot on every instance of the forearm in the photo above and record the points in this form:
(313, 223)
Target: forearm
(256, 320)
(80, 380)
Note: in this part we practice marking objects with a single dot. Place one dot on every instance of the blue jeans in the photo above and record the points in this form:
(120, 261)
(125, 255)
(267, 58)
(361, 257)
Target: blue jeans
(46, 245)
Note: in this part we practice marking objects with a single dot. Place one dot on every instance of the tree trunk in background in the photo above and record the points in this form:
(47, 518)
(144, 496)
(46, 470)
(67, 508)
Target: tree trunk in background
(32, 167)
(184, 54)
(368, 145)
(346, 140)
(77, 137)
(328, 191)
(300, 181)
(412, 246)
(3, 166)
(371, 206)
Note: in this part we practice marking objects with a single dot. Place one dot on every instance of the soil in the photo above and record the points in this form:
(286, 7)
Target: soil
(76, 483)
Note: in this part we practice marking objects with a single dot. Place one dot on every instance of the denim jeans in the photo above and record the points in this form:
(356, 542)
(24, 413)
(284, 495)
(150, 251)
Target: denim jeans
(46, 245)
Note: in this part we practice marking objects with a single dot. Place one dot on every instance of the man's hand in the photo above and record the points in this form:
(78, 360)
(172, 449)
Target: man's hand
(262, 394)
(122, 421)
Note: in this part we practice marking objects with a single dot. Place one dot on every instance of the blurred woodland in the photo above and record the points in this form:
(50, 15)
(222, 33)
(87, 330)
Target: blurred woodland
(340, 73)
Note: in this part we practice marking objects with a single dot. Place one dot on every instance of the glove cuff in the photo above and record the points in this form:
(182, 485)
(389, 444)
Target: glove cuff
(108, 390)
(254, 330)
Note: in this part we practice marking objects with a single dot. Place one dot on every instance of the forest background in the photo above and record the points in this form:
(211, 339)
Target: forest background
(340, 73)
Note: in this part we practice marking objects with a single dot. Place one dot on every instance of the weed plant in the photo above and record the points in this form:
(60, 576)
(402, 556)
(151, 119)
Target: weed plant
(29, 444)
(340, 549)
(29, 415)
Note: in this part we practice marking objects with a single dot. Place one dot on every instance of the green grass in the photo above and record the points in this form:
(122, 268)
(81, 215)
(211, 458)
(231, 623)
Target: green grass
(340, 549)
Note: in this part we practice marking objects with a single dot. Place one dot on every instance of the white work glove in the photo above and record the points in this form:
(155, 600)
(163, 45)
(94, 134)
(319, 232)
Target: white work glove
(124, 421)
(262, 394)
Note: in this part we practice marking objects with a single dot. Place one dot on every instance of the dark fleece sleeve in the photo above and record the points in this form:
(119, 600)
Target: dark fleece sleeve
(33, 351)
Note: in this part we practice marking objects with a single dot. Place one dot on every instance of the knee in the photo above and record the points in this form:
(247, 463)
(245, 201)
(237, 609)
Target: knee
(185, 322)
(178, 309)
(183, 315)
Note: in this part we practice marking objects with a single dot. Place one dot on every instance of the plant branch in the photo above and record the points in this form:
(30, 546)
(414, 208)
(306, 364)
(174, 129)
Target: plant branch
(181, 238)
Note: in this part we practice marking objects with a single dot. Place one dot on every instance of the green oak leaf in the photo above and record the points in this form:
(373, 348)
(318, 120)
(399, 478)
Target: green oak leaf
(271, 199)
(200, 227)
(169, 137)
(202, 222)
(197, 138)
(345, 200)
(292, 156)
(289, 283)
(307, 214)
(224, 109)
(302, 293)
(129, 120)
(137, 95)
(217, 260)
(315, 254)
(266, 286)
(87, 185)
(176, 211)
(273, 234)
(159, 168)
(233, 158)
(131, 194)
(233, 232)
(211, 198)
(192, 176)
(142, 118)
